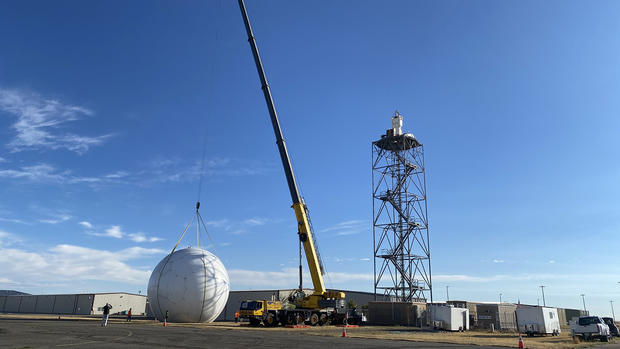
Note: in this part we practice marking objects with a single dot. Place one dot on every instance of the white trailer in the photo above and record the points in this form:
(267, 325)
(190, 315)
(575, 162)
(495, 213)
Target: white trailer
(448, 318)
(538, 320)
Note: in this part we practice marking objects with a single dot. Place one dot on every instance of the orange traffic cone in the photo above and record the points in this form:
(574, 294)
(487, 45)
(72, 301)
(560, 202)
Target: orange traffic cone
(164, 323)
(521, 341)
(344, 331)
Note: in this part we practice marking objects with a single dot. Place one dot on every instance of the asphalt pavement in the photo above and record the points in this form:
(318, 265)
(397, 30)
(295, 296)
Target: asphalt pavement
(22, 333)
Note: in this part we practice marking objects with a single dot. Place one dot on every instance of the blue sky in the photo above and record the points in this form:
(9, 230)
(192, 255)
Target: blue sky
(105, 107)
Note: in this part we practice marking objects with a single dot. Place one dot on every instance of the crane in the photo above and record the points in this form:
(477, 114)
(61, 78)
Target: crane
(315, 305)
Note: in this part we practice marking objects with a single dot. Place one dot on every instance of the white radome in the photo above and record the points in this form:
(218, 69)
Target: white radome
(191, 284)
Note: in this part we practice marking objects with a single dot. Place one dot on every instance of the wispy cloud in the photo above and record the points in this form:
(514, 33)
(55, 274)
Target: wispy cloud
(12, 220)
(7, 238)
(255, 221)
(350, 227)
(39, 122)
(237, 227)
(45, 173)
(141, 237)
(498, 261)
(2, 159)
(289, 278)
(86, 224)
(57, 218)
(178, 170)
(115, 231)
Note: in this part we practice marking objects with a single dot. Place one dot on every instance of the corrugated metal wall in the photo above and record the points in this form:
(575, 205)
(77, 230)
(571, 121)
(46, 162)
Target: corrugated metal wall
(77, 304)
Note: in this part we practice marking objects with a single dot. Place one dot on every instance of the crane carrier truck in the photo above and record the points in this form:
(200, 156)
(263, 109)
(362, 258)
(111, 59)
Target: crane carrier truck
(322, 306)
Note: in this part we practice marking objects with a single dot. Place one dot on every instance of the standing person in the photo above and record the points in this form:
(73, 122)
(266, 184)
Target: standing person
(129, 315)
(166, 319)
(236, 316)
(106, 314)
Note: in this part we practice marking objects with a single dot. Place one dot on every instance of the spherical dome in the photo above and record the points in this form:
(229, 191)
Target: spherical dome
(191, 284)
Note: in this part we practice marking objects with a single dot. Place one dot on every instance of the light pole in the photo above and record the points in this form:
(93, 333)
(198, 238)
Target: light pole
(447, 294)
(500, 298)
(583, 297)
(612, 310)
(542, 288)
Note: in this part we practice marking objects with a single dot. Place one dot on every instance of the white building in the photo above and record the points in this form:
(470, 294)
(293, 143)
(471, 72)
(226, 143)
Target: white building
(74, 304)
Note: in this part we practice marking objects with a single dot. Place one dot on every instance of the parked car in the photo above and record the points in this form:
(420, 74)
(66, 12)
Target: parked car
(590, 327)
(613, 328)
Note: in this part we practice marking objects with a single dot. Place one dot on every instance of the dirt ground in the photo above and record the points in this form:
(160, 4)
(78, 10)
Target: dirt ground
(477, 338)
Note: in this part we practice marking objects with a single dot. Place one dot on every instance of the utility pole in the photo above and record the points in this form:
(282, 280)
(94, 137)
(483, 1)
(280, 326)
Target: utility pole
(500, 298)
(583, 297)
(612, 310)
(447, 294)
(542, 288)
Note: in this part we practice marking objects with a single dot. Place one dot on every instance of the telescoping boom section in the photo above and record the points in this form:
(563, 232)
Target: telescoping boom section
(304, 231)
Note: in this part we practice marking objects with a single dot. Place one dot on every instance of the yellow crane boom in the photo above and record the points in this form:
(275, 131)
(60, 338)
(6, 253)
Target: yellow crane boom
(303, 225)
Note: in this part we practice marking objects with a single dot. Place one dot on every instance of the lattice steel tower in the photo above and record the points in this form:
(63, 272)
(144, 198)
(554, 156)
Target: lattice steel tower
(402, 256)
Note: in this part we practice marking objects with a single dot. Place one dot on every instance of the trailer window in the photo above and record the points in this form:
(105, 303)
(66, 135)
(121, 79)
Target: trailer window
(550, 315)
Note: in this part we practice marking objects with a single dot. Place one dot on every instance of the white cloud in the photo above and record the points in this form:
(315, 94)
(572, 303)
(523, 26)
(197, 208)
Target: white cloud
(498, 261)
(552, 262)
(73, 263)
(39, 120)
(350, 227)
(112, 232)
(115, 231)
(2, 159)
(141, 237)
(86, 224)
(364, 259)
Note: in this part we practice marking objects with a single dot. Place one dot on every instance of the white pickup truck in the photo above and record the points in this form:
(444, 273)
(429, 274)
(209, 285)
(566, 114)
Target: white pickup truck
(590, 327)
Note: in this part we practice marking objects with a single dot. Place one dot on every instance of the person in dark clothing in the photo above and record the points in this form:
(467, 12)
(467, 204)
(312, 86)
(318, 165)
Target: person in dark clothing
(166, 319)
(106, 314)
(129, 315)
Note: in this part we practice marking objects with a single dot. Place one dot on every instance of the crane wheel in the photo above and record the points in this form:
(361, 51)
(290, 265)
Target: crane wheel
(270, 320)
(314, 319)
(299, 320)
(323, 319)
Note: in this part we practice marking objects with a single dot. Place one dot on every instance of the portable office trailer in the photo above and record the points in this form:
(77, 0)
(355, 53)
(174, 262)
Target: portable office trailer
(538, 320)
(471, 306)
(448, 318)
